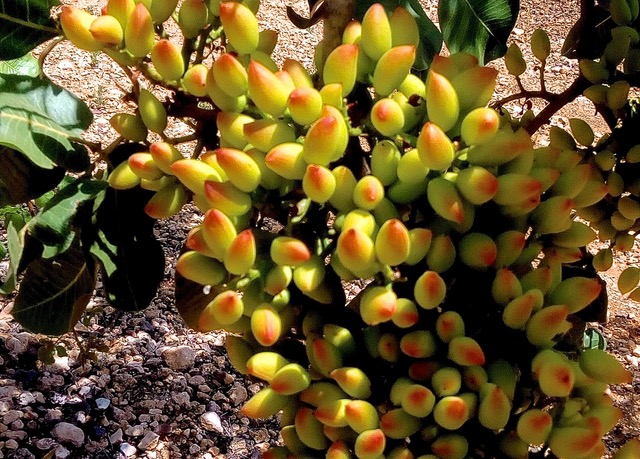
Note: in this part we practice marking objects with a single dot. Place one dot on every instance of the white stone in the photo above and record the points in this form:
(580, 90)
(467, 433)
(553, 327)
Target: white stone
(127, 449)
(103, 403)
(211, 422)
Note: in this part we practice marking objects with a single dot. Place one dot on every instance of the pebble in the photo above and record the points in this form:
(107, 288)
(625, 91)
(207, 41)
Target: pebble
(179, 358)
(5, 407)
(149, 441)
(17, 346)
(134, 431)
(103, 403)
(116, 437)
(211, 422)
(238, 394)
(68, 433)
(16, 434)
(62, 452)
(11, 444)
(11, 416)
(45, 443)
(127, 449)
(26, 398)
(53, 415)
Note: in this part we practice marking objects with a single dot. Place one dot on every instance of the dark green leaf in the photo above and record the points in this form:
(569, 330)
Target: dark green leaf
(363, 6)
(430, 37)
(55, 292)
(479, 27)
(121, 238)
(24, 24)
(191, 299)
(54, 225)
(26, 65)
(21, 180)
(590, 34)
(41, 119)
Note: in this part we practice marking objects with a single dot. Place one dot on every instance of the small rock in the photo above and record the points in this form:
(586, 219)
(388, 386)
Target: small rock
(24, 453)
(193, 449)
(179, 358)
(5, 407)
(68, 433)
(26, 398)
(238, 394)
(636, 351)
(62, 452)
(134, 431)
(181, 398)
(116, 437)
(211, 422)
(53, 415)
(17, 425)
(45, 443)
(149, 441)
(16, 434)
(127, 449)
(11, 416)
(11, 444)
(17, 346)
(196, 380)
(103, 403)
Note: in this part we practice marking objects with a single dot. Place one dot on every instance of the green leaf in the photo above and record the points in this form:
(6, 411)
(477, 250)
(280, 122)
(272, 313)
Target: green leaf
(121, 238)
(479, 27)
(24, 25)
(54, 225)
(21, 180)
(41, 120)
(191, 299)
(590, 34)
(26, 65)
(430, 37)
(55, 292)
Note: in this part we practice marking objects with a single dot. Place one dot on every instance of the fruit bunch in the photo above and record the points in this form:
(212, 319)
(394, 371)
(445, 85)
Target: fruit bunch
(461, 342)
(610, 174)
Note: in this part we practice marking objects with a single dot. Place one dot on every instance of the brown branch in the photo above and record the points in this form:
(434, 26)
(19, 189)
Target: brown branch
(565, 97)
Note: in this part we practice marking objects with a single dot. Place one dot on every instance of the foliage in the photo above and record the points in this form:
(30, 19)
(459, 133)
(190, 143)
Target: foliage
(385, 165)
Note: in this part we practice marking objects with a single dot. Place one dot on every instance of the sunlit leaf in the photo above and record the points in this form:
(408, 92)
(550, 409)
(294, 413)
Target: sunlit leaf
(26, 65)
(41, 120)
